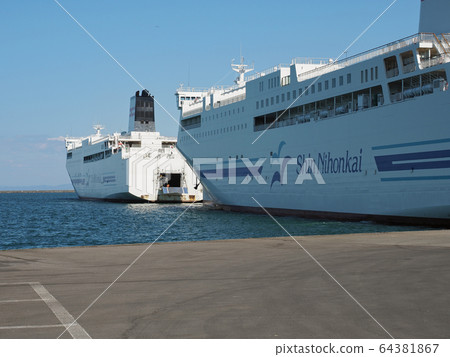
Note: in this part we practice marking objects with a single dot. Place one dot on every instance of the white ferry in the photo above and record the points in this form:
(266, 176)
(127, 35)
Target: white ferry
(135, 166)
(363, 138)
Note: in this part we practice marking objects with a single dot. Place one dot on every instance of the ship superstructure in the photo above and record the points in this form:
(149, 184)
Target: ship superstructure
(135, 166)
(366, 137)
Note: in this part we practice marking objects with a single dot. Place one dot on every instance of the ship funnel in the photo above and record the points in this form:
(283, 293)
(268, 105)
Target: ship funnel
(434, 16)
(142, 112)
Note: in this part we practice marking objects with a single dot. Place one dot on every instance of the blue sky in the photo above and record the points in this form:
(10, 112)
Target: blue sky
(55, 81)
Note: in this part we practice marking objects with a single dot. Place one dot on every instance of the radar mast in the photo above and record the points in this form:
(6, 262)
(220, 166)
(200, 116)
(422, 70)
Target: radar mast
(242, 69)
(98, 128)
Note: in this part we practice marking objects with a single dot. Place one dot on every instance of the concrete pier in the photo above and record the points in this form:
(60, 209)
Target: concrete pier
(249, 288)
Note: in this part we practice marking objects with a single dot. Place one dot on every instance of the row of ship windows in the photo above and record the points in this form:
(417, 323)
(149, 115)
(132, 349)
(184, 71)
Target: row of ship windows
(209, 133)
(224, 114)
(325, 85)
(373, 74)
(98, 156)
(400, 90)
(271, 83)
(274, 82)
(326, 108)
(342, 104)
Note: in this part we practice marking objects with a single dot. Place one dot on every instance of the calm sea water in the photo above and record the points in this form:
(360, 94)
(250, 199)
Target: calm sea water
(32, 220)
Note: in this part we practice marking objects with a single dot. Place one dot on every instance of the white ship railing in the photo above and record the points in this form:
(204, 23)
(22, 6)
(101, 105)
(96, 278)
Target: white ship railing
(307, 60)
(230, 98)
(73, 143)
(205, 91)
(193, 89)
(431, 62)
(327, 67)
(218, 104)
(267, 71)
(390, 47)
(128, 152)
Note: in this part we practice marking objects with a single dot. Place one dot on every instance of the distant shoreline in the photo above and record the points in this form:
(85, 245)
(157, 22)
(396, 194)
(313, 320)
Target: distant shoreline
(37, 191)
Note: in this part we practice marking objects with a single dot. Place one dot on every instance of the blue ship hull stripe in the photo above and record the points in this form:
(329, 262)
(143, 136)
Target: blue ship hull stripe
(417, 143)
(418, 161)
(422, 178)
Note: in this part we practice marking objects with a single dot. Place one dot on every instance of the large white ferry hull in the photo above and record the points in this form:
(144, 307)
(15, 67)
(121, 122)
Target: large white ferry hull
(366, 137)
(131, 174)
(135, 166)
(389, 163)
(104, 180)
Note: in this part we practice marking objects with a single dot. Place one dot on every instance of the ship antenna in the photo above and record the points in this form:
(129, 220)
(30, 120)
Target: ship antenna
(189, 73)
(242, 69)
(98, 128)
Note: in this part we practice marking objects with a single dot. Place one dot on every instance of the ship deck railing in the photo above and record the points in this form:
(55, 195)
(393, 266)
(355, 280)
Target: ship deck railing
(267, 71)
(327, 67)
(205, 91)
(385, 49)
(153, 153)
(315, 61)
(193, 89)
(434, 61)
(198, 106)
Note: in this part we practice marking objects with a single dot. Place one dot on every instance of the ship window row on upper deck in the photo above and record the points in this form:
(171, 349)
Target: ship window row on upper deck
(273, 82)
(311, 89)
(98, 156)
(409, 60)
(418, 85)
(189, 98)
(407, 88)
(373, 74)
(94, 157)
(224, 113)
(213, 132)
(196, 121)
(322, 109)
